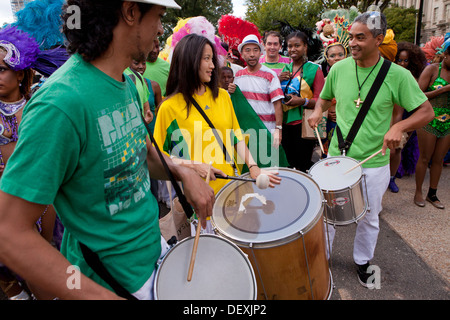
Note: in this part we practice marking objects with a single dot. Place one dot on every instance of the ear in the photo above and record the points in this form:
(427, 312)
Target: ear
(20, 75)
(129, 12)
(379, 39)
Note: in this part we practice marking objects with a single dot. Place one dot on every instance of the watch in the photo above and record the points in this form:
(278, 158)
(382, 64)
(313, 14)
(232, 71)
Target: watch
(279, 127)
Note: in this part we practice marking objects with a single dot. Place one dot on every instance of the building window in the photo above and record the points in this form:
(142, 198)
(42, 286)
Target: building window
(435, 15)
(447, 12)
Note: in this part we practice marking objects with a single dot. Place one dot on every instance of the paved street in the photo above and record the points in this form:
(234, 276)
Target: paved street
(412, 252)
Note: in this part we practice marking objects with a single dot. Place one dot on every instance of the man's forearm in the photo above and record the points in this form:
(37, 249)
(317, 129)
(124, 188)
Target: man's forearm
(421, 117)
(324, 105)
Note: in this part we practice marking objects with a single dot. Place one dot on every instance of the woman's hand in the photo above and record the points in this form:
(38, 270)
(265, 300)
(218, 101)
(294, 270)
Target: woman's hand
(294, 101)
(274, 179)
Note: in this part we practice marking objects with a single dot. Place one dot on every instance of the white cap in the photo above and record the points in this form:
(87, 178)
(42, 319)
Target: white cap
(164, 3)
(251, 39)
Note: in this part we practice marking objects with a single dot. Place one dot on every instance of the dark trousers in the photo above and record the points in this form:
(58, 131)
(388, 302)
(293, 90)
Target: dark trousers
(298, 151)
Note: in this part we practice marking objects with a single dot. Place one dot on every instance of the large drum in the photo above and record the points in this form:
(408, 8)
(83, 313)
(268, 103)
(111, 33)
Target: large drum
(221, 272)
(343, 192)
(281, 231)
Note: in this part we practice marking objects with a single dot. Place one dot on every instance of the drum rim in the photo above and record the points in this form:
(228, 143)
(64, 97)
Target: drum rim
(282, 240)
(205, 235)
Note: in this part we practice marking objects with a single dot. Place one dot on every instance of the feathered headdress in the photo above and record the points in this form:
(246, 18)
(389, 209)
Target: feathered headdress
(431, 48)
(198, 25)
(233, 30)
(334, 28)
(42, 20)
(22, 52)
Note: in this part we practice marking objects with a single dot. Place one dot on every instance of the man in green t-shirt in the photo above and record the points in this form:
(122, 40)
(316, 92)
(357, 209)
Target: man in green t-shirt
(157, 68)
(84, 148)
(349, 82)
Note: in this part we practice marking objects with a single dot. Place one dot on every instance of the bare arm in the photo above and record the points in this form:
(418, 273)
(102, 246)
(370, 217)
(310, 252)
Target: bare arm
(255, 171)
(197, 192)
(423, 115)
(28, 254)
(428, 76)
(320, 107)
(278, 121)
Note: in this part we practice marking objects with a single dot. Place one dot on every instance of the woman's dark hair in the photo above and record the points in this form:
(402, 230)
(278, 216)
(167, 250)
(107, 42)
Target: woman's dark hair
(184, 69)
(416, 57)
(298, 34)
(98, 20)
(25, 88)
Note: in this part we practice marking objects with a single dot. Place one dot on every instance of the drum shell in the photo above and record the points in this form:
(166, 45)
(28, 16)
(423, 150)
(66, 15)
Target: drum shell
(345, 206)
(297, 270)
(294, 266)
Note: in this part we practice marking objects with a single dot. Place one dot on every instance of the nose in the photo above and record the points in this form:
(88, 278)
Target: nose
(160, 29)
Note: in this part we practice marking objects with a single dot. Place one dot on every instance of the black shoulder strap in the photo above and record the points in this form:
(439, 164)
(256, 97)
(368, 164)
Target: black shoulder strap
(228, 158)
(92, 258)
(94, 262)
(344, 145)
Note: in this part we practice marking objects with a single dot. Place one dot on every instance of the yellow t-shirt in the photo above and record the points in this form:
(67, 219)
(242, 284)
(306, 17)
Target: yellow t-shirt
(191, 138)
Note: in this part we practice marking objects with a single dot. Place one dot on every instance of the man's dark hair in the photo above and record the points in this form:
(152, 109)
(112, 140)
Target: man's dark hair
(98, 20)
(273, 34)
(184, 69)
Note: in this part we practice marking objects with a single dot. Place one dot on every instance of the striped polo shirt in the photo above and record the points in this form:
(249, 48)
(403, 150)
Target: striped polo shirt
(261, 89)
(276, 66)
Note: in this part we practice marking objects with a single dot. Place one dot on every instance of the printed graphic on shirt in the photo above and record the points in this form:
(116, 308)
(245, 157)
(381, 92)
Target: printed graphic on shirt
(123, 139)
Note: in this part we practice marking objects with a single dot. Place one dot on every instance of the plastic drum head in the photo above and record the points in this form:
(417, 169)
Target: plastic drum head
(329, 173)
(250, 216)
(221, 272)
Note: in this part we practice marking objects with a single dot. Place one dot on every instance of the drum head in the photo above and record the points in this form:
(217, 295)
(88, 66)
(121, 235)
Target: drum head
(221, 272)
(248, 215)
(329, 173)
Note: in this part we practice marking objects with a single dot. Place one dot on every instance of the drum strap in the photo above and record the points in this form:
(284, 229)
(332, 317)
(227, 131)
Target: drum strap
(92, 258)
(228, 158)
(344, 145)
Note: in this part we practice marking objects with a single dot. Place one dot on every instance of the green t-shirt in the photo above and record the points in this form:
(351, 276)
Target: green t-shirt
(82, 147)
(399, 88)
(158, 71)
(141, 86)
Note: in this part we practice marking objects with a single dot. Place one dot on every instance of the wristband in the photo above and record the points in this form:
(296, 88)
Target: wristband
(306, 102)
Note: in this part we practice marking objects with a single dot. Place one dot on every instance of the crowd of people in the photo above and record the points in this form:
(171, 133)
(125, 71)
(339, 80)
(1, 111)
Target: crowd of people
(75, 152)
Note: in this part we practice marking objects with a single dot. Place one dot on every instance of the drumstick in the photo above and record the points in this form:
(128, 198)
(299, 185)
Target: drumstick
(318, 138)
(197, 235)
(364, 161)
(218, 176)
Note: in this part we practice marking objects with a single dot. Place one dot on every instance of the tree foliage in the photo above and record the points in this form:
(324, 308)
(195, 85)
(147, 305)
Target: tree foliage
(210, 9)
(402, 21)
(362, 5)
(265, 14)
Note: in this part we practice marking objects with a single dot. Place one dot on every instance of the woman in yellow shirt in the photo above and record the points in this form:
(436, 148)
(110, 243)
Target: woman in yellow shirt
(182, 132)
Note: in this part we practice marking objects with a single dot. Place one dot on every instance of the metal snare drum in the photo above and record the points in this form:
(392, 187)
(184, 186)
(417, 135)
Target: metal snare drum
(344, 193)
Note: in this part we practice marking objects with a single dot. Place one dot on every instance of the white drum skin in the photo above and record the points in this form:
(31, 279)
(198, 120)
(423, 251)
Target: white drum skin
(221, 272)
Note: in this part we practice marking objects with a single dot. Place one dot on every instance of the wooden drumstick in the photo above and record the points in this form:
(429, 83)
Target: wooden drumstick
(320, 140)
(364, 161)
(197, 235)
